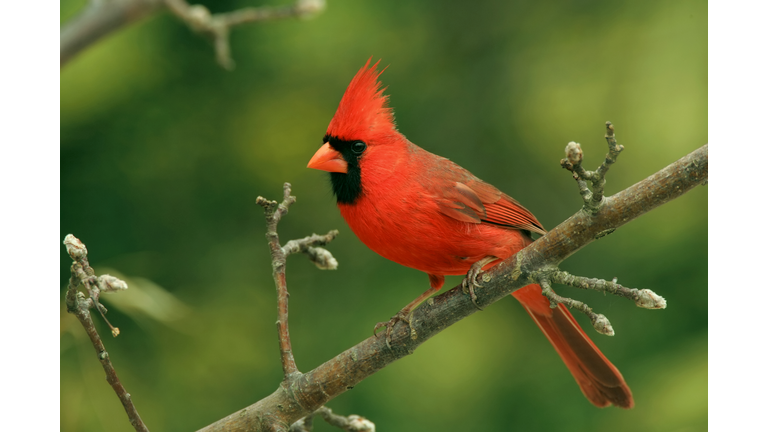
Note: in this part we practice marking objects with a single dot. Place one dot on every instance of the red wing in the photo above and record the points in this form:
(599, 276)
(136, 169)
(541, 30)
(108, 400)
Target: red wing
(461, 203)
(456, 209)
(509, 213)
(475, 201)
(464, 197)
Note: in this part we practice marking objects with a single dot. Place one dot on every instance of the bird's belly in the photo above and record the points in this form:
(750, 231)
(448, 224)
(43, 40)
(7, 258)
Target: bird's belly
(430, 241)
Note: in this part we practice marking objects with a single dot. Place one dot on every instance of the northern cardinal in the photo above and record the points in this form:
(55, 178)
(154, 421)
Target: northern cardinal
(426, 212)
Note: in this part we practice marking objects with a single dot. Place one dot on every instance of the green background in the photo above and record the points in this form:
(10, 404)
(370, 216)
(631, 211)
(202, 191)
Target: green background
(163, 154)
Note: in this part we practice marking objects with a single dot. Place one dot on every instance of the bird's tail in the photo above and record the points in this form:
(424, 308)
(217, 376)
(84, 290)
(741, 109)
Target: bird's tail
(598, 378)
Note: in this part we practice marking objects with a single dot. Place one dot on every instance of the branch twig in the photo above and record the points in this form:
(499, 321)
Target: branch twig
(273, 212)
(218, 26)
(572, 162)
(98, 19)
(599, 321)
(350, 423)
(79, 305)
(309, 245)
(643, 298)
(593, 200)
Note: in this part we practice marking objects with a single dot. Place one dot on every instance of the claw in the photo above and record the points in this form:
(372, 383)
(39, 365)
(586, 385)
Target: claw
(400, 316)
(470, 282)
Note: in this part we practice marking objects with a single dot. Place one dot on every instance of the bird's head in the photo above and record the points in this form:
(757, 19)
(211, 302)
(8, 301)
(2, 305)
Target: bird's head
(361, 137)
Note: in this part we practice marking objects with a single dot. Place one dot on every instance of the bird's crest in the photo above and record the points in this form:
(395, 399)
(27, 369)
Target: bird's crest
(363, 111)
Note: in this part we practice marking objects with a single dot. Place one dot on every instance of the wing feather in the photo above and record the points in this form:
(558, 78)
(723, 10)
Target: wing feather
(476, 202)
(464, 197)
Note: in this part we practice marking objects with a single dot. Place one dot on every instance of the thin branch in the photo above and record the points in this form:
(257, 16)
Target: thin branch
(349, 423)
(592, 201)
(572, 162)
(613, 153)
(273, 212)
(218, 26)
(599, 321)
(308, 392)
(79, 305)
(305, 424)
(643, 298)
(309, 245)
(352, 423)
(101, 17)
(98, 19)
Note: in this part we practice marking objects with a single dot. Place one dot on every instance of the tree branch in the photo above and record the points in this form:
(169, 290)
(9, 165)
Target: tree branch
(643, 298)
(305, 393)
(98, 19)
(79, 305)
(218, 26)
(323, 259)
(599, 321)
(572, 162)
(101, 17)
(273, 213)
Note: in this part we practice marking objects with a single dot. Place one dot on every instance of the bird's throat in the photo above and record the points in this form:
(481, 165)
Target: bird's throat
(347, 186)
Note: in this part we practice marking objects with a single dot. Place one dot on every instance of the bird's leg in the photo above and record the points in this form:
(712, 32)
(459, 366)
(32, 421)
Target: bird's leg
(435, 282)
(470, 282)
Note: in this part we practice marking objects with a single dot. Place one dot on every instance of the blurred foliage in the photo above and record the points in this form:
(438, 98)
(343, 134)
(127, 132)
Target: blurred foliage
(163, 154)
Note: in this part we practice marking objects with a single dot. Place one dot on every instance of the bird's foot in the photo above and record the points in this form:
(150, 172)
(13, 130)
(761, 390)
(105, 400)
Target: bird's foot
(400, 316)
(469, 283)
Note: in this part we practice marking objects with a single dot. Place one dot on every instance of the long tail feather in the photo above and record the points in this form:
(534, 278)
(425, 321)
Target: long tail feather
(598, 378)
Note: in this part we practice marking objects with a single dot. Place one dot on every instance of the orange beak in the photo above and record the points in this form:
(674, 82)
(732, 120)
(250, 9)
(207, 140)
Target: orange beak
(328, 159)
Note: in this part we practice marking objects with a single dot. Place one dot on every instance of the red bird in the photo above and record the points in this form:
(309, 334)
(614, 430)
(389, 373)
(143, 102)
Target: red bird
(425, 212)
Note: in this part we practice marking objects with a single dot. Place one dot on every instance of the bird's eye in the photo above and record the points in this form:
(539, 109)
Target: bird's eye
(358, 147)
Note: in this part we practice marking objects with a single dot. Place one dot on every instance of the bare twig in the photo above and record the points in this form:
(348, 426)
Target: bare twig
(572, 162)
(218, 26)
(599, 321)
(79, 305)
(311, 390)
(309, 245)
(352, 423)
(273, 212)
(614, 149)
(592, 201)
(349, 423)
(98, 19)
(101, 17)
(643, 298)
(324, 260)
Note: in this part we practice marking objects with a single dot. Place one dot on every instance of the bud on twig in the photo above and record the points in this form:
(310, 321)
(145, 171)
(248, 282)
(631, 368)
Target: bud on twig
(108, 283)
(573, 153)
(322, 258)
(602, 325)
(650, 300)
(75, 248)
(360, 424)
